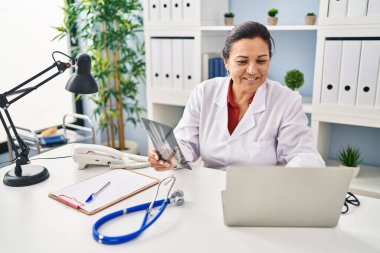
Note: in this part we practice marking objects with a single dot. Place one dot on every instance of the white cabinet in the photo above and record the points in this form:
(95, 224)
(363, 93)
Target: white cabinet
(345, 12)
(175, 48)
(192, 35)
(172, 30)
(348, 50)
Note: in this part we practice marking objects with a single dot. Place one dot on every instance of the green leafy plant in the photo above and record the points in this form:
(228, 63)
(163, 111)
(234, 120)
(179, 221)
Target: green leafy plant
(272, 12)
(310, 14)
(350, 156)
(110, 31)
(294, 79)
(229, 15)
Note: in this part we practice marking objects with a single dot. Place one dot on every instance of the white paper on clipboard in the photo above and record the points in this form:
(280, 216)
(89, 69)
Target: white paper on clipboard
(124, 184)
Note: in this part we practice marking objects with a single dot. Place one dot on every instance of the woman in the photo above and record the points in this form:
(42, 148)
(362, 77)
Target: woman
(244, 119)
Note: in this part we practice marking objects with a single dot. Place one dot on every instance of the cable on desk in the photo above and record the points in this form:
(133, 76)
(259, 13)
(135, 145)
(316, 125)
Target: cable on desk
(10, 160)
(47, 158)
(41, 158)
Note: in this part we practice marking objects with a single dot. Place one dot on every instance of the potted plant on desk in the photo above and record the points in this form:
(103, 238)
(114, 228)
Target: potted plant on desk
(350, 157)
(294, 79)
(272, 19)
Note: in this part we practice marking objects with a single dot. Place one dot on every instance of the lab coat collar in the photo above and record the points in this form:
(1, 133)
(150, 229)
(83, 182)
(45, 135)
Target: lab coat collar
(248, 121)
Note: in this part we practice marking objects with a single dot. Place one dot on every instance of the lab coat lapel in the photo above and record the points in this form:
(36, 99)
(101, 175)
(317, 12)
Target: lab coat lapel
(222, 109)
(257, 106)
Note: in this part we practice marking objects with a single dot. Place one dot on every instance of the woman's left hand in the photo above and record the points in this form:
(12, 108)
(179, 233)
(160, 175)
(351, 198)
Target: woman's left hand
(157, 163)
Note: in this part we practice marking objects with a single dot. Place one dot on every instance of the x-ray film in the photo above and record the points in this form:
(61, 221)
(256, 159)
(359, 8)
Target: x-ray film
(165, 143)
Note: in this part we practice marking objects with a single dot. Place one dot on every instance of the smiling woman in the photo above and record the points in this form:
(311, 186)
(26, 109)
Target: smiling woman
(248, 65)
(244, 119)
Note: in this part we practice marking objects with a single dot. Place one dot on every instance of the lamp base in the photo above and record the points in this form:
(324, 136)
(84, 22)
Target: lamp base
(31, 174)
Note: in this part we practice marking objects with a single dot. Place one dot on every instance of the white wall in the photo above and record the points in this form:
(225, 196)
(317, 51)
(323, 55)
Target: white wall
(25, 50)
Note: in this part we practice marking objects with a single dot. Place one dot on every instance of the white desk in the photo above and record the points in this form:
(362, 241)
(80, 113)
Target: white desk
(30, 221)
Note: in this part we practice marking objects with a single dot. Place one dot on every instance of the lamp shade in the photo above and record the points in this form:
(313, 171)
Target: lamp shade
(82, 81)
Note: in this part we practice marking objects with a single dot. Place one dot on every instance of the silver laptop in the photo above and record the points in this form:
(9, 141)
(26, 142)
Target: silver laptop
(285, 197)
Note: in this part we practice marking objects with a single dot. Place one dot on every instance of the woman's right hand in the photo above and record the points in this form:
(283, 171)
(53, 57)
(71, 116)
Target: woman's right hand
(157, 164)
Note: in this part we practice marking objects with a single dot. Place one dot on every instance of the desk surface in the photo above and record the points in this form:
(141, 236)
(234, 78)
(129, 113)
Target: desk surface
(30, 221)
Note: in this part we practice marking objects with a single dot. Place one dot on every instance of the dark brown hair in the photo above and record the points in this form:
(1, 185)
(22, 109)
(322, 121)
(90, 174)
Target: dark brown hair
(247, 30)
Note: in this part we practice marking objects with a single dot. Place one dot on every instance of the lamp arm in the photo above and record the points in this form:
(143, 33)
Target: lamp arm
(61, 68)
(22, 157)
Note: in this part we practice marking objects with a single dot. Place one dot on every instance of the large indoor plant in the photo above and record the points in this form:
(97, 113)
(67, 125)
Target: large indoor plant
(109, 31)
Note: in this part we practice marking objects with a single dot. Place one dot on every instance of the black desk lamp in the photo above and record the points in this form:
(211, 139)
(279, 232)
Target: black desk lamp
(81, 82)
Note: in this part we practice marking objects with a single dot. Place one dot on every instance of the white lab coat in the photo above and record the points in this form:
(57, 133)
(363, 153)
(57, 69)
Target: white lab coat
(273, 131)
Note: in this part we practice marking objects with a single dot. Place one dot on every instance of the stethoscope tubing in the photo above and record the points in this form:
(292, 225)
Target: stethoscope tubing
(112, 240)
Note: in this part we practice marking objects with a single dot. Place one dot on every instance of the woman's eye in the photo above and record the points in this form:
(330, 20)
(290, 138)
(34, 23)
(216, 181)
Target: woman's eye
(241, 62)
(261, 61)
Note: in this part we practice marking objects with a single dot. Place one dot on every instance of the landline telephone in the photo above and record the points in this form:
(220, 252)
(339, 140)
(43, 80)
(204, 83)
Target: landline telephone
(92, 154)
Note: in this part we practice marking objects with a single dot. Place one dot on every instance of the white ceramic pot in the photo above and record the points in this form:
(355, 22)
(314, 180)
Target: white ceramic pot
(272, 20)
(229, 21)
(310, 20)
(356, 170)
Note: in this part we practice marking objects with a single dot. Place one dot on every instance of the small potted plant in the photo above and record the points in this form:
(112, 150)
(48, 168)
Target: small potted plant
(294, 79)
(310, 18)
(272, 19)
(229, 18)
(350, 157)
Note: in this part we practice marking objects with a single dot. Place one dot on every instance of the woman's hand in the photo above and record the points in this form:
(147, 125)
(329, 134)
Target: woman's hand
(157, 164)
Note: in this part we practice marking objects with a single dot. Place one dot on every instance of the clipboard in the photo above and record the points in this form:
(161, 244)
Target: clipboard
(124, 184)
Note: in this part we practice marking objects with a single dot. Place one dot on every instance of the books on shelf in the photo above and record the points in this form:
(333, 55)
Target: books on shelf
(213, 66)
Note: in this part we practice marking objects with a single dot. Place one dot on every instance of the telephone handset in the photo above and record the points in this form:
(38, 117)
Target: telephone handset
(91, 154)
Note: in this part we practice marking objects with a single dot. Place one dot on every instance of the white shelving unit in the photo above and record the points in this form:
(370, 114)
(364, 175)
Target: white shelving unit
(177, 20)
(324, 114)
(208, 33)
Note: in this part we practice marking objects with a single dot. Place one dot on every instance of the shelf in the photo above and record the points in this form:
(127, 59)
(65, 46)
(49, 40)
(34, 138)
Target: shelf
(271, 28)
(349, 115)
(367, 183)
(169, 97)
(306, 104)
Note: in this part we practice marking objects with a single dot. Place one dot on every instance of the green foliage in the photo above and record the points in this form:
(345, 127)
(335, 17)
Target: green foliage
(310, 14)
(350, 156)
(110, 31)
(272, 12)
(229, 15)
(294, 79)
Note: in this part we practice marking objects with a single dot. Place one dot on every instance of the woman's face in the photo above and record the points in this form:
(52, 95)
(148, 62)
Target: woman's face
(248, 63)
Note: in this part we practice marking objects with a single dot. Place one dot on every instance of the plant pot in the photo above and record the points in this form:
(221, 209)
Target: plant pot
(272, 20)
(131, 147)
(310, 20)
(296, 90)
(356, 170)
(229, 21)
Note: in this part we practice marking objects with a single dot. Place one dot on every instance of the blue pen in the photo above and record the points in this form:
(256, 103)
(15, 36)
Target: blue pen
(93, 195)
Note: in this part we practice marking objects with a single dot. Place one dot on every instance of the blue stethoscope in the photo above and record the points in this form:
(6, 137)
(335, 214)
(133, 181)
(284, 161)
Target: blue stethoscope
(175, 199)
